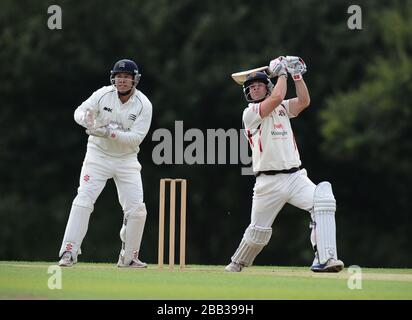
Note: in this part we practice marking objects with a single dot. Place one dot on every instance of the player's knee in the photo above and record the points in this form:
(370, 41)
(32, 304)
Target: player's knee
(257, 236)
(83, 200)
(136, 215)
(324, 199)
(137, 210)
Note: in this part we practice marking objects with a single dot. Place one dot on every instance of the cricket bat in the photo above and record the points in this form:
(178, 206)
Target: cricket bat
(241, 76)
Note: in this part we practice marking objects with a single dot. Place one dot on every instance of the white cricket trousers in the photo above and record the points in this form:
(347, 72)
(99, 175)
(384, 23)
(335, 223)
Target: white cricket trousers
(272, 192)
(97, 169)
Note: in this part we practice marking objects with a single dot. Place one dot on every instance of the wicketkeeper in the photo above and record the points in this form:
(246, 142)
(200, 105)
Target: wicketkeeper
(280, 179)
(116, 118)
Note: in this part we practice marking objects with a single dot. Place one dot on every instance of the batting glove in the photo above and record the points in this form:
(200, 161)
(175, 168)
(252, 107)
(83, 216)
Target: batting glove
(277, 67)
(296, 67)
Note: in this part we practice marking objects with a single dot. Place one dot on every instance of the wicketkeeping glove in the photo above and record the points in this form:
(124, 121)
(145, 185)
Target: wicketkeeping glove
(296, 67)
(103, 132)
(277, 67)
(88, 118)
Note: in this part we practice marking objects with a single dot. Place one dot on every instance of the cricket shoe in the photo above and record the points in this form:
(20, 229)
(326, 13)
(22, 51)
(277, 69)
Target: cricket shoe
(332, 265)
(67, 260)
(135, 263)
(234, 267)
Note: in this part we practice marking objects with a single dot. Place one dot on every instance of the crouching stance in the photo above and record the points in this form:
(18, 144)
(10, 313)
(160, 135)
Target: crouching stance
(116, 118)
(277, 167)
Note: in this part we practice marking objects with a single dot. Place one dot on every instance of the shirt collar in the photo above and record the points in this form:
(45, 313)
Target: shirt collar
(133, 96)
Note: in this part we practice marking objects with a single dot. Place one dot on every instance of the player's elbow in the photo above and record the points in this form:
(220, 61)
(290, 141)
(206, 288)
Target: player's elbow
(306, 102)
(78, 117)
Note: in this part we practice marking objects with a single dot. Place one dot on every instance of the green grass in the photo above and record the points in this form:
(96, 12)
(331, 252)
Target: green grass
(29, 280)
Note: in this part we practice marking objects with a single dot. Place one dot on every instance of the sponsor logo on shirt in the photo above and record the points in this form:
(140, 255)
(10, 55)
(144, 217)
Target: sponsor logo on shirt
(278, 130)
(108, 109)
(132, 117)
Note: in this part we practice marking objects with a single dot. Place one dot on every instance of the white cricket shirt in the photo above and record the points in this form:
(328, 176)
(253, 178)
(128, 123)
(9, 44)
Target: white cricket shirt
(271, 138)
(132, 119)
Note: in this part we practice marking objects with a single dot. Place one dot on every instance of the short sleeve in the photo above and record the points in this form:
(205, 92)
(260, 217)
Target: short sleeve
(251, 116)
(285, 103)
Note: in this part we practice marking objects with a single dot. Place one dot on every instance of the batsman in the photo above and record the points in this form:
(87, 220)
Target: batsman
(280, 178)
(117, 119)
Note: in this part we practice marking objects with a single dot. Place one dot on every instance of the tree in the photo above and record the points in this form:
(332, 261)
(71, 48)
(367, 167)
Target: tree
(366, 133)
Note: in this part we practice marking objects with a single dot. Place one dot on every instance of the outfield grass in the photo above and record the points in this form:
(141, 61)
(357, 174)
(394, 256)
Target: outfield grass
(29, 280)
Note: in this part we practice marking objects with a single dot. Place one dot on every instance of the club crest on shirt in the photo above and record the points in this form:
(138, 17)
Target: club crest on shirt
(107, 109)
(282, 113)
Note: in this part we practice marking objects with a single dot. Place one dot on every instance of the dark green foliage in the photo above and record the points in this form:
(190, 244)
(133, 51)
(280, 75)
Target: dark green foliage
(356, 133)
